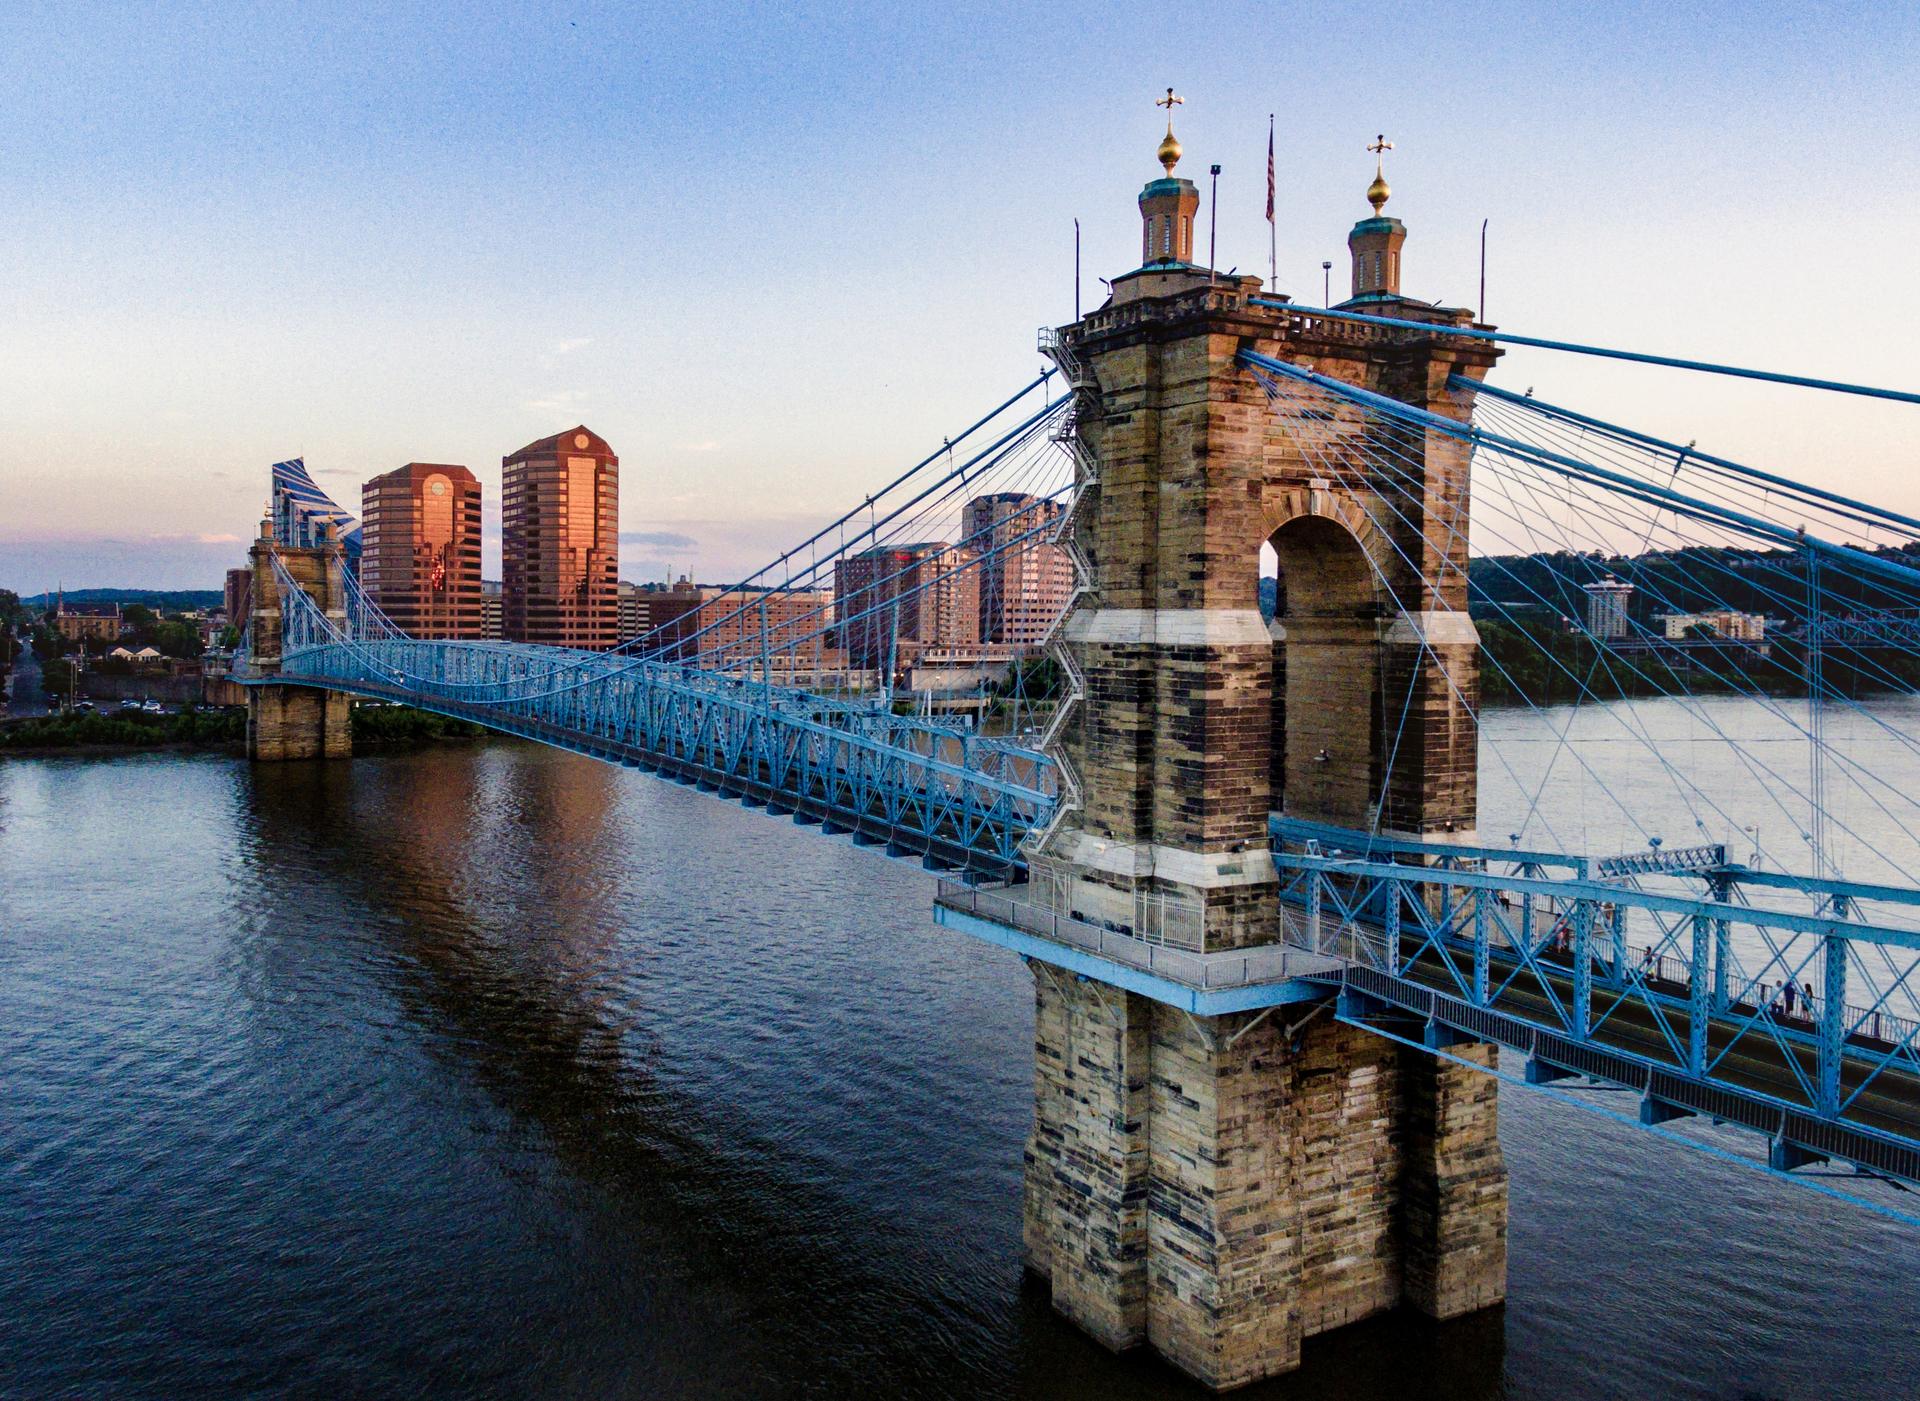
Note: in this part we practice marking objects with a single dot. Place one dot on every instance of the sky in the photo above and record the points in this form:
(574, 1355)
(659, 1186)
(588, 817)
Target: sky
(775, 254)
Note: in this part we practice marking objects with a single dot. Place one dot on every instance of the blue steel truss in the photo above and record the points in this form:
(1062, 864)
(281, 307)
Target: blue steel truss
(955, 798)
(1711, 998)
(1694, 1015)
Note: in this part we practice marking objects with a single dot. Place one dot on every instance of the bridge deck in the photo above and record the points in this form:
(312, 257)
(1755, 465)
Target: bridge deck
(1761, 1069)
(1762, 1066)
(1742, 1052)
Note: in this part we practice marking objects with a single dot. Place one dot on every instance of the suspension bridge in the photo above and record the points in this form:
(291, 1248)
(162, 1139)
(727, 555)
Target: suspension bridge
(1291, 877)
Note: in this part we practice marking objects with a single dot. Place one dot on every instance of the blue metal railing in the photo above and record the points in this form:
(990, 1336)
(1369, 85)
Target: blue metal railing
(948, 794)
(1805, 1015)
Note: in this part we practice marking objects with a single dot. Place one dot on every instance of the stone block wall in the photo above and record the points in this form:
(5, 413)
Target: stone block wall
(294, 722)
(1455, 1195)
(1222, 1189)
(1200, 719)
(1086, 1179)
(298, 722)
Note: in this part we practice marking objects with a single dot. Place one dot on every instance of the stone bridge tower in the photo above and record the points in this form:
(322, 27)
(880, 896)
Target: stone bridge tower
(295, 722)
(1221, 1186)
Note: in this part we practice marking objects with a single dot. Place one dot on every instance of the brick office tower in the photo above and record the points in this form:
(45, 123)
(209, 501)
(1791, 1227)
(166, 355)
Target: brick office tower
(892, 602)
(1221, 1187)
(237, 597)
(1024, 581)
(560, 542)
(420, 551)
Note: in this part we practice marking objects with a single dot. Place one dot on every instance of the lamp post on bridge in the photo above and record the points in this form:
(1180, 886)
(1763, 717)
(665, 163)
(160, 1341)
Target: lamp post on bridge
(1213, 224)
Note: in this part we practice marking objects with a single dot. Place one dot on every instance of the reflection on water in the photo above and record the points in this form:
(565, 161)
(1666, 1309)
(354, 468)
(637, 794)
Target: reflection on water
(498, 1070)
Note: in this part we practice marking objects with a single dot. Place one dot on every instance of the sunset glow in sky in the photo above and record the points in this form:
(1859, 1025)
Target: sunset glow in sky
(775, 253)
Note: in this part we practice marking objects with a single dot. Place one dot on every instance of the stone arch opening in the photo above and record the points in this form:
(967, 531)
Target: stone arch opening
(1324, 756)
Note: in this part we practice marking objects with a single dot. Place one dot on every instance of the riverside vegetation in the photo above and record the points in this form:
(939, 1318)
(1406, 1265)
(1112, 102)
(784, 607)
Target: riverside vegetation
(373, 726)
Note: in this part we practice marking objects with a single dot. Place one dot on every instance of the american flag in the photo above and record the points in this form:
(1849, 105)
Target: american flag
(1269, 169)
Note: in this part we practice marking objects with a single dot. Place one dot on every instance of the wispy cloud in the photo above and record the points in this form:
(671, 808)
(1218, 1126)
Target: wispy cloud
(224, 538)
(710, 445)
(567, 347)
(659, 539)
(557, 400)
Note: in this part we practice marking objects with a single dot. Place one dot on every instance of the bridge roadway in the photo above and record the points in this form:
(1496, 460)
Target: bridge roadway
(1760, 1081)
(927, 791)
(918, 790)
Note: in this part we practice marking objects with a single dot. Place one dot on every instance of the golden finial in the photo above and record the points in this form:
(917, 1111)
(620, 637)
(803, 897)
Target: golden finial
(1169, 152)
(1378, 192)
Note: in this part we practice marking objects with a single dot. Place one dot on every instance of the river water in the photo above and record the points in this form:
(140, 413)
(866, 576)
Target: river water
(494, 1070)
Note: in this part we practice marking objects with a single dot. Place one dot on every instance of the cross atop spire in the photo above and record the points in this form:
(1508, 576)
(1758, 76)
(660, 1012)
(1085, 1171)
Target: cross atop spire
(1169, 152)
(1377, 192)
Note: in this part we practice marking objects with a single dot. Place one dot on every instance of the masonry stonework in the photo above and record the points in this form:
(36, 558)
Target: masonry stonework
(1223, 1187)
(294, 722)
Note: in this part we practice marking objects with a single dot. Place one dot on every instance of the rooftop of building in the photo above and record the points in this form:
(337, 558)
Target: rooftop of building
(422, 469)
(568, 441)
(1168, 185)
(921, 547)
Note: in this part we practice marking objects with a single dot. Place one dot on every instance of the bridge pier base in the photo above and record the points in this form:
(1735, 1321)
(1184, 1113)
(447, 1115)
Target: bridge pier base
(298, 722)
(1221, 1188)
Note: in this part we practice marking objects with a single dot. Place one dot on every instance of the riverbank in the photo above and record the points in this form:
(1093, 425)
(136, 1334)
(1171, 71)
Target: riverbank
(115, 732)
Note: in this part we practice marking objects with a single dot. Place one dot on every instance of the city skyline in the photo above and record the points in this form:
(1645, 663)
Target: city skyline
(228, 262)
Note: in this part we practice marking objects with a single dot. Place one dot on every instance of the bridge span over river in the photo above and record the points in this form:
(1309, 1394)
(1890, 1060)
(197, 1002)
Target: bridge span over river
(1235, 828)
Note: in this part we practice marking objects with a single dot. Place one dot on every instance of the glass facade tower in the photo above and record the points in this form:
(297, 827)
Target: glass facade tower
(560, 542)
(420, 552)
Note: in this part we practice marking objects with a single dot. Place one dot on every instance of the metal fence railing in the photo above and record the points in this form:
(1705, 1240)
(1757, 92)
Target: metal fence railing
(1231, 968)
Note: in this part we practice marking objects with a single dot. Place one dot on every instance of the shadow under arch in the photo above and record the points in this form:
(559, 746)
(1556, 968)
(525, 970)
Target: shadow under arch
(1326, 752)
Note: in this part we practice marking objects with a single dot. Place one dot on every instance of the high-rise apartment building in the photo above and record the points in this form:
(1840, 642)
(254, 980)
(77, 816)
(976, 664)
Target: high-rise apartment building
(237, 598)
(1607, 615)
(893, 601)
(734, 627)
(420, 549)
(1025, 581)
(631, 609)
(491, 604)
(302, 512)
(560, 542)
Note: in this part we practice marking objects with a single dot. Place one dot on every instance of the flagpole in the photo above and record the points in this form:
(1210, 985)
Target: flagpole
(1076, 269)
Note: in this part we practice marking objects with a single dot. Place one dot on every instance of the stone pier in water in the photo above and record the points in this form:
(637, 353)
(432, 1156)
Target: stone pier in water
(1220, 1187)
(294, 722)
